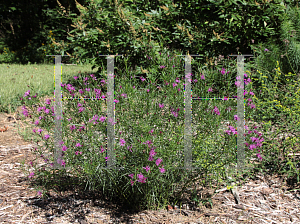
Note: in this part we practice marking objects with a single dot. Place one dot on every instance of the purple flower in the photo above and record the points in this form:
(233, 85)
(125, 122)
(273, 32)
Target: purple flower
(31, 175)
(110, 120)
(228, 132)
(148, 143)
(122, 142)
(162, 170)
(266, 50)
(150, 158)
(25, 112)
(188, 76)
(27, 93)
(102, 149)
(152, 153)
(78, 145)
(259, 156)
(236, 118)
(129, 148)
(252, 147)
(233, 130)
(229, 109)
(253, 139)
(247, 81)
(81, 109)
(216, 110)
(147, 168)
(162, 66)
(75, 77)
(94, 118)
(102, 119)
(202, 77)
(131, 175)
(175, 114)
(46, 136)
(209, 90)
(158, 161)
(238, 83)
(39, 109)
(48, 101)
(64, 148)
(223, 71)
(141, 178)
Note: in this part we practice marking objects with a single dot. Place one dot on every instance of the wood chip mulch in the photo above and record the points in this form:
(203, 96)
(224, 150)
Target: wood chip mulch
(260, 199)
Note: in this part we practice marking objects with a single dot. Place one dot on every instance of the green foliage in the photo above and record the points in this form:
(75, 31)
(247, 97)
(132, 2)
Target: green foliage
(25, 28)
(207, 27)
(285, 49)
(279, 105)
(202, 27)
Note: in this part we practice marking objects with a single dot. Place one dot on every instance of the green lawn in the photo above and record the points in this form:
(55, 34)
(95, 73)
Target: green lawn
(40, 77)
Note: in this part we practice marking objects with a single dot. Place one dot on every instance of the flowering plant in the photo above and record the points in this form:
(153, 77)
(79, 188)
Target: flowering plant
(148, 144)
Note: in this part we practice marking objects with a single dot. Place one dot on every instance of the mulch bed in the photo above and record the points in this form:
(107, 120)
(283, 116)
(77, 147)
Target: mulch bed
(262, 199)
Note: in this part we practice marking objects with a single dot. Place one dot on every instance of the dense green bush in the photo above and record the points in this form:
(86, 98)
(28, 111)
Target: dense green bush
(25, 28)
(207, 28)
